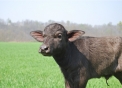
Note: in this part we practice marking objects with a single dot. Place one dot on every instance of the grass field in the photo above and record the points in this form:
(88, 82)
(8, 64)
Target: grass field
(21, 66)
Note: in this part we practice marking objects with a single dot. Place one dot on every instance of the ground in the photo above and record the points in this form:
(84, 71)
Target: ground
(21, 66)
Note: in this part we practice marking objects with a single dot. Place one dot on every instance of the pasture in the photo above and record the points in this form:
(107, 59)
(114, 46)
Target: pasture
(21, 66)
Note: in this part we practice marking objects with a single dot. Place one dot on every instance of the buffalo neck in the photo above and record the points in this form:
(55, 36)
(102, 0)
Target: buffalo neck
(67, 57)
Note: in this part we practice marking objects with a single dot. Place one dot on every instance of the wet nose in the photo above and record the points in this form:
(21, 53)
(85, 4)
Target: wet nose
(44, 49)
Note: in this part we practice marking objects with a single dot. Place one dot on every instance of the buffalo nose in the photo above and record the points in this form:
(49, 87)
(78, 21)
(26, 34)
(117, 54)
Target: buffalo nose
(44, 49)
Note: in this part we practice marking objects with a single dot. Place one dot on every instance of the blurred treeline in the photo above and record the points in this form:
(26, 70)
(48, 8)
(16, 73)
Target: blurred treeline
(20, 31)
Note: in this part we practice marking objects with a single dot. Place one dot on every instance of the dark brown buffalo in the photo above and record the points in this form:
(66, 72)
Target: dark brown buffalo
(81, 57)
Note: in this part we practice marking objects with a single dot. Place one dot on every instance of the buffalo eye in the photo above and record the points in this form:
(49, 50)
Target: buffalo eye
(44, 35)
(59, 36)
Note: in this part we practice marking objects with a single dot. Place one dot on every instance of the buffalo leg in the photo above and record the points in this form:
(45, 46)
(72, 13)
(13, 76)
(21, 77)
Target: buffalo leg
(118, 75)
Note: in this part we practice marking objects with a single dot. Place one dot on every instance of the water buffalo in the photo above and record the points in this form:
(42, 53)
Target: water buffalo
(81, 58)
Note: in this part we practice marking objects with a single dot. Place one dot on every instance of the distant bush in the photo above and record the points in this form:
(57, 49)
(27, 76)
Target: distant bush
(20, 31)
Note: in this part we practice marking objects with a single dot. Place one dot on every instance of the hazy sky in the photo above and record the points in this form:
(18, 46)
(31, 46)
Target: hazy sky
(94, 12)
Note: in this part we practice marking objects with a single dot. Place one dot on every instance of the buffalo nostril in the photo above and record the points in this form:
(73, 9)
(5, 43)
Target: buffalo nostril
(44, 48)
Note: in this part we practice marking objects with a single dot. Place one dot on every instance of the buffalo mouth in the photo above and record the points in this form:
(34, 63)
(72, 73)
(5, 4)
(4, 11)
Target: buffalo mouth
(46, 54)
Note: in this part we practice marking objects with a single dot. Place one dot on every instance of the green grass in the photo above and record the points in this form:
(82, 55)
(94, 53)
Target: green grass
(21, 66)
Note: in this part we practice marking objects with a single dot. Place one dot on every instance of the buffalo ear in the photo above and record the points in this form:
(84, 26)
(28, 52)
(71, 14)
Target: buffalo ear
(38, 35)
(74, 34)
